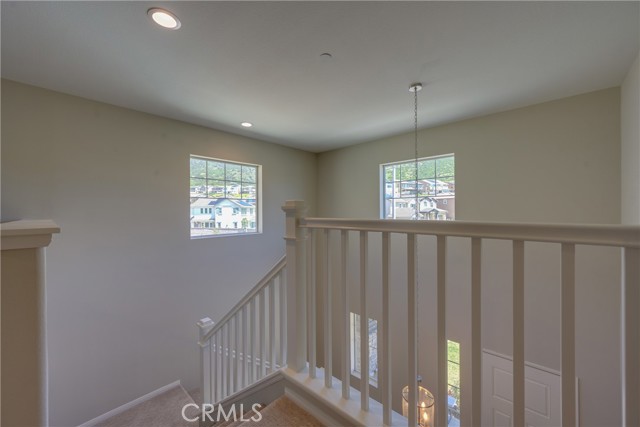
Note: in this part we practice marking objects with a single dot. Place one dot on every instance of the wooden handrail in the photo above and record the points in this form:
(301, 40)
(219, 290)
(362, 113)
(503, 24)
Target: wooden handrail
(627, 236)
(280, 265)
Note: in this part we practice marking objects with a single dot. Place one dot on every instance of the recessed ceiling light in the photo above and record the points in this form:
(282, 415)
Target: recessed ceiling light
(164, 18)
(246, 124)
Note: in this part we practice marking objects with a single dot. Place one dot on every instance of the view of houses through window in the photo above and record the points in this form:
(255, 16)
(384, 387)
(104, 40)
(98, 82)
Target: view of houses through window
(435, 190)
(223, 197)
(453, 380)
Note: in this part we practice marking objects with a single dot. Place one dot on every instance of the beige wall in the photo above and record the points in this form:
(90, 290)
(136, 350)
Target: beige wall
(22, 376)
(125, 283)
(553, 162)
(630, 159)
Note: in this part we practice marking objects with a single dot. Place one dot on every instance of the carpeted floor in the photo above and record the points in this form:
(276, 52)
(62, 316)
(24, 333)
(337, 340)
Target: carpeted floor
(282, 413)
(164, 410)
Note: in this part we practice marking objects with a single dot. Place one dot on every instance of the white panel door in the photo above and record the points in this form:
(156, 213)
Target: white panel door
(542, 393)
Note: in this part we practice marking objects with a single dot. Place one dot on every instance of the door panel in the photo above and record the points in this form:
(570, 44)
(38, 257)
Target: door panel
(542, 394)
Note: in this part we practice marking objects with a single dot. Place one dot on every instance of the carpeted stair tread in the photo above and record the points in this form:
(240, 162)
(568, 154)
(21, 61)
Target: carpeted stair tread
(164, 410)
(282, 413)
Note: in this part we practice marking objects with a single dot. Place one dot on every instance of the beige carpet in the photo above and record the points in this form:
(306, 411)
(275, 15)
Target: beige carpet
(282, 413)
(164, 410)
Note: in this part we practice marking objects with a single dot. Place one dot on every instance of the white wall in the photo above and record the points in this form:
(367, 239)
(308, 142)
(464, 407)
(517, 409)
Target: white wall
(553, 162)
(125, 283)
(630, 150)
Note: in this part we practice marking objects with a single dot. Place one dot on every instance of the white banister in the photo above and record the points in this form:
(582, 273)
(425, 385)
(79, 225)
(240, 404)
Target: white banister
(284, 308)
(568, 351)
(364, 324)
(346, 317)
(204, 325)
(412, 328)
(476, 331)
(630, 328)
(518, 334)
(296, 295)
(328, 312)
(442, 388)
(583, 234)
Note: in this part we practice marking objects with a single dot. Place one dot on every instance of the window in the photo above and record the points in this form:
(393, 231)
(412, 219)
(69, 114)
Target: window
(373, 348)
(434, 189)
(453, 380)
(223, 195)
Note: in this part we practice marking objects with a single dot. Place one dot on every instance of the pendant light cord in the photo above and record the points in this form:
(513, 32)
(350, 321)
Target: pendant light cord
(417, 217)
(415, 146)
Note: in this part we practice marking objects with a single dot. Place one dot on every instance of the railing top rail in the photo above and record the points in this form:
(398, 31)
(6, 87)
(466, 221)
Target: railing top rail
(253, 292)
(581, 234)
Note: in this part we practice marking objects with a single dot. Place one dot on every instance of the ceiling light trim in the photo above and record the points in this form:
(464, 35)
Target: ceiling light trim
(164, 18)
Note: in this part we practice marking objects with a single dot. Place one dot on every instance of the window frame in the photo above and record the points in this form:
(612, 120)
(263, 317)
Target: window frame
(355, 349)
(228, 182)
(383, 182)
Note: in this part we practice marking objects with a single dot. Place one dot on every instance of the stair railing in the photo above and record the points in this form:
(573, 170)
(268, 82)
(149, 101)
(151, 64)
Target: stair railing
(249, 342)
(304, 275)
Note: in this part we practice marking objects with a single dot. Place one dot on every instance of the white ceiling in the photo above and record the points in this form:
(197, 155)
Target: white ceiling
(260, 61)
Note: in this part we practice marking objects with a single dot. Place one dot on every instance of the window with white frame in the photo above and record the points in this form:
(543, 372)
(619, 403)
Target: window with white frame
(355, 348)
(433, 190)
(224, 197)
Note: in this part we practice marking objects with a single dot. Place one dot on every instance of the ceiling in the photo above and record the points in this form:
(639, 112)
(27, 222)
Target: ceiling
(261, 61)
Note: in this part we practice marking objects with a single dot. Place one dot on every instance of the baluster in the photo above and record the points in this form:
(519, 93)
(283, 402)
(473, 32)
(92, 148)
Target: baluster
(364, 324)
(476, 331)
(272, 326)
(236, 352)
(630, 319)
(223, 376)
(311, 283)
(252, 368)
(283, 318)
(245, 345)
(328, 314)
(217, 378)
(412, 311)
(442, 399)
(346, 339)
(227, 364)
(568, 335)
(263, 332)
(518, 333)
(385, 362)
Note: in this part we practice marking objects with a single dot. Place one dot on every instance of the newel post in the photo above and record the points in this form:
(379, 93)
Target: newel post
(204, 326)
(296, 290)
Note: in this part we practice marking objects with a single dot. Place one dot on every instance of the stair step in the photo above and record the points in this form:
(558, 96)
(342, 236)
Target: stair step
(281, 413)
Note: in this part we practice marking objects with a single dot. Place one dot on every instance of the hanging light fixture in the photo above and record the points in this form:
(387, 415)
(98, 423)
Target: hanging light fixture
(426, 402)
(415, 88)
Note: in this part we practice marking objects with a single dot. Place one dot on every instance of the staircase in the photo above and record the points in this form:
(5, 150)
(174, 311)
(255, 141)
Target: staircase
(284, 336)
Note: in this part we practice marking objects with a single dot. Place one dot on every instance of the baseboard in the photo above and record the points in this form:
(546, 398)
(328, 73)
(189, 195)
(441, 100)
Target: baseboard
(122, 408)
